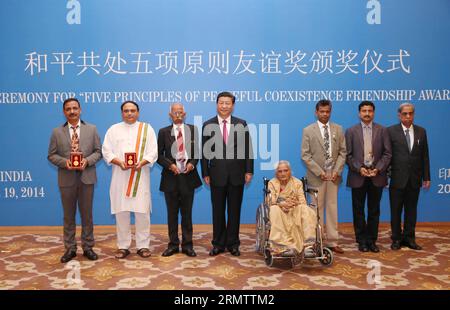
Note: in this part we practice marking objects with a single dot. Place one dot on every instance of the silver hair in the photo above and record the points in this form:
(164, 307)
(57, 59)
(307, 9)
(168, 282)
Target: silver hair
(173, 104)
(406, 104)
(281, 162)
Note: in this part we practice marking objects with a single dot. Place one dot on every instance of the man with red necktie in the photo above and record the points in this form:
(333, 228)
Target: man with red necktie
(178, 153)
(227, 165)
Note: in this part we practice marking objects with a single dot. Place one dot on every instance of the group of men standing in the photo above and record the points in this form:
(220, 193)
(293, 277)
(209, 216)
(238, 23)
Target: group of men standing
(371, 152)
(227, 165)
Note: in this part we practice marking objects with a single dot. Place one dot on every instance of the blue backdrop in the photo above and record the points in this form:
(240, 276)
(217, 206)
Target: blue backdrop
(279, 57)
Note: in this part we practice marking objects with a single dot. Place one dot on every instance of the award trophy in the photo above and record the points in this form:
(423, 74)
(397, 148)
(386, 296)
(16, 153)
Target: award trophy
(368, 163)
(328, 167)
(130, 159)
(75, 160)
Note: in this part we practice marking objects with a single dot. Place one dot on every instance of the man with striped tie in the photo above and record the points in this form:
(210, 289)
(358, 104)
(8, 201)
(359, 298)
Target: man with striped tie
(178, 153)
(130, 182)
(76, 179)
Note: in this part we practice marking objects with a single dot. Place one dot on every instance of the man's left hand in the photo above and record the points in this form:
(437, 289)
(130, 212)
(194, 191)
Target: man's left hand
(334, 176)
(84, 164)
(141, 164)
(189, 168)
(426, 184)
(248, 177)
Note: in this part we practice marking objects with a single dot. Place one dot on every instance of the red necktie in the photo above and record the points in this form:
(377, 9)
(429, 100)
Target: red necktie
(225, 131)
(181, 160)
(180, 142)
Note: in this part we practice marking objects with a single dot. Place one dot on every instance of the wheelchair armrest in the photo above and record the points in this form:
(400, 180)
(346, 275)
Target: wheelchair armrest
(312, 191)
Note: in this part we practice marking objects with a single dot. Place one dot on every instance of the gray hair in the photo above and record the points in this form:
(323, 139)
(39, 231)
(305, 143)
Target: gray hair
(406, 104)
(174, 104)
(283, 162)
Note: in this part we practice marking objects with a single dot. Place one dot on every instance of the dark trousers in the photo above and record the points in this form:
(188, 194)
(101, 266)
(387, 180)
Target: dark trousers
(405, 198)
(226, 232)
(82, 195)
(366, 232)
(180, 201)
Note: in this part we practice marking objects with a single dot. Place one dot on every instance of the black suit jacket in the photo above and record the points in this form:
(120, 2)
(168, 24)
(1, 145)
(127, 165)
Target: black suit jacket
(414, 166)
(166, 140)
(226, 163)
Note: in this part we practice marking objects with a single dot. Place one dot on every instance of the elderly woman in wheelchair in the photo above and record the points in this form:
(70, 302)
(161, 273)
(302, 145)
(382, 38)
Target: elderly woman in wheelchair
(286, 225)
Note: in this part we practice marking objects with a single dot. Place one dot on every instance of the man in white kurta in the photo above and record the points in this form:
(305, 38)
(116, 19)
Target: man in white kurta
(130, 187)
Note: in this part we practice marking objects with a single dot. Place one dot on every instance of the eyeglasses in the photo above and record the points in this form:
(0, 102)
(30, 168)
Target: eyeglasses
(407, 113)
(178, 113)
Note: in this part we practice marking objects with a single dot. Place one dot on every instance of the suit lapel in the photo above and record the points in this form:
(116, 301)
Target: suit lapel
(403, 136)
(416, 138)
(66, 129)
(232, 129)
(360, 135)
(375, 134)
(172, 135)
(188, 139)
(316, 130)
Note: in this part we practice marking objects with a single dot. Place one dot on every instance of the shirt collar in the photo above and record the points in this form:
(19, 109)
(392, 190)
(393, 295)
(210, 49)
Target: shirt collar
(77, 125)
(175, 126)
(369, 126)
(228, 119)
(321, 124)
(410, 128)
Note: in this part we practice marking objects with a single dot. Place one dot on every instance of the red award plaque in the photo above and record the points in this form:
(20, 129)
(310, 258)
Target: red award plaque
(75, 160)
(130, 159)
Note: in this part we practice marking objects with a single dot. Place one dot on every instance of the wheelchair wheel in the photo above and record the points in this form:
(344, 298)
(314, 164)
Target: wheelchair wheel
(268, 258)
(327, 259)
(260, 232)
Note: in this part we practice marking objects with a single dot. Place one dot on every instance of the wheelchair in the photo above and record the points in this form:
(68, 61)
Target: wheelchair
(312, 251)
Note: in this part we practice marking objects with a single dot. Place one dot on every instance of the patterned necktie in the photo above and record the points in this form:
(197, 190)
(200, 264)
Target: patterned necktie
(225, 131)
(181, 159)
(367, 142)
(180, 141)
(326, 144)
(75, 143)
(408, 139)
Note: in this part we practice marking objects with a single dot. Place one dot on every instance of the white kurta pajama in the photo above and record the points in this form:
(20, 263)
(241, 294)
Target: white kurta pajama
(130, 190)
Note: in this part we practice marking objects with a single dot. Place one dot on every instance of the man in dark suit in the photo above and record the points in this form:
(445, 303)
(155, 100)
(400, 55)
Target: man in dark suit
(178, 152)
(368, 156)
(410, 169)
(76, 184)
(227, 165)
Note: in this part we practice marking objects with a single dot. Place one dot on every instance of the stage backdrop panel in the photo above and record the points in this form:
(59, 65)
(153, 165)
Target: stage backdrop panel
(278, 57)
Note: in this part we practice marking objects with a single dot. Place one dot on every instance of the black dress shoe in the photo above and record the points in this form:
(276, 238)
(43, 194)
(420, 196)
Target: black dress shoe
(90, 254)
(362, 247)
(215, 251)
(414, 246)
(170, 252)
(189, 252)
(235, 252)
(374, 248)
(396, 245)
(68, 255)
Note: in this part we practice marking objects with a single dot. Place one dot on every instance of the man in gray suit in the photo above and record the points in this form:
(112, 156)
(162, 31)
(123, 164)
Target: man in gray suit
(76, 184)
(323, 152)
(368, 156)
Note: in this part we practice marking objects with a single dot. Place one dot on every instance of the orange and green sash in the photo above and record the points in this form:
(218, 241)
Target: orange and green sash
(141, 140)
